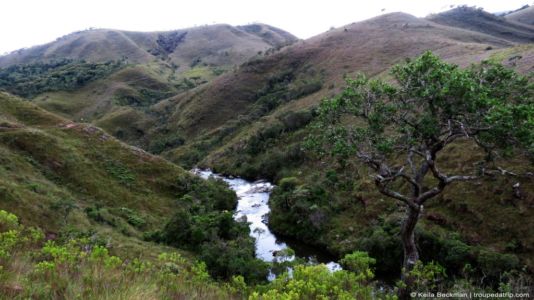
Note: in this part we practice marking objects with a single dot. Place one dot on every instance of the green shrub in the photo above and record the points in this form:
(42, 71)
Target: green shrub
(32, 79)
(120, 172)
(317, 282)
(427, 277)
(227, 258)
(158, 145)
(301, 212)
(383, 242)
(223, 244)
(132, 217)
(493, 264)
(288, 184)
(358, 262)
(8, 221)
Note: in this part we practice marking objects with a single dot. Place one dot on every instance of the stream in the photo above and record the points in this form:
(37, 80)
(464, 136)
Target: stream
(253, 198)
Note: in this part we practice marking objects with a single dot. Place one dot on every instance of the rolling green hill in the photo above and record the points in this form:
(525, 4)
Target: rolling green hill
(149, 67)
(74, 180)
(81, 212)
(50, 164)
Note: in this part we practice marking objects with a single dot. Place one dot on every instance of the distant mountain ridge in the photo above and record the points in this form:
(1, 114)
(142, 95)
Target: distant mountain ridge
(524, 15)
(214, 44)
(370, 46)
(477, 20)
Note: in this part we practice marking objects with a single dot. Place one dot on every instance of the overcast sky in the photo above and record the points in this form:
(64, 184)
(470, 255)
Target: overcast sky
(25, 23)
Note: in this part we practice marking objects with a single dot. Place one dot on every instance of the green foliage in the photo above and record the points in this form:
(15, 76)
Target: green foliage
(8, 221)
(493, 264)
(288, 184)
(227, 258)
(222, 243)
(447, 250)
(132, 217)
(15, 237)
(283, 87)
(427, 277)
(317, 282)
(266, 137)
(432, 99)
(142, 97)
(358, 262)
(383, 242)
(120, 172)
(36, 78)
(77, 268)
(160, 144)
(301, 210)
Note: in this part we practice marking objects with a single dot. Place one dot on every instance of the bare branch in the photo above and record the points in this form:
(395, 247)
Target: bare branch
(431, 193)
(506, 172)
(461, 178)
(382, 184)
(443, 179)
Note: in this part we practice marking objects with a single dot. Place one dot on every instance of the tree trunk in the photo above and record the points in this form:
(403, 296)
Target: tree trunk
(411, 255)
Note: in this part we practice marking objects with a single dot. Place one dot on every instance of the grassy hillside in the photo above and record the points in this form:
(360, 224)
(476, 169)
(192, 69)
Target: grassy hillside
(74, 180)
(182, 96)
(524, 15)
(34, 79)
(80, 213)
(213, 45)
(474, 19)
(119, 102)
(300, 75)
(340, 209)
(263, 110)
(108, 76)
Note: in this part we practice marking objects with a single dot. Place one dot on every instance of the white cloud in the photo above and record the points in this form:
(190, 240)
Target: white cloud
(29, 22)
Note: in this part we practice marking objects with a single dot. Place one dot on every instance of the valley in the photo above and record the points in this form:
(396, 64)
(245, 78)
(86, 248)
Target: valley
(99, 128)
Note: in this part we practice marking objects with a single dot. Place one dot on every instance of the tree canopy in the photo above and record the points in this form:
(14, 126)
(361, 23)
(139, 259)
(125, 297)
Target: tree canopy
(399, 130)
(432, 105)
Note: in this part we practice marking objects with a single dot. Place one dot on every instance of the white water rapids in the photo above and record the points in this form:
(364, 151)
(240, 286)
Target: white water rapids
(253, 204)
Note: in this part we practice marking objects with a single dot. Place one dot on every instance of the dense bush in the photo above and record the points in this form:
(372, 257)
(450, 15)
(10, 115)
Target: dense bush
(283, 87)
(383, 242)
(294, 120)
(162, 143)
(142, 97)
(226, 258)
(299, 210)
(205, 225)
(446, 249)
(317, 282)
(224, 244)
(32, 79)
(267, 137)
(205, 195)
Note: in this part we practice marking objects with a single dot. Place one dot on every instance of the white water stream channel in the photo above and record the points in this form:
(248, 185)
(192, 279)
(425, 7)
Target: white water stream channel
(253, 198)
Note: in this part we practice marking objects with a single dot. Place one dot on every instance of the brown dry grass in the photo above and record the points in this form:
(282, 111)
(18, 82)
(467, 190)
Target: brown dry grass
(370, 46)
